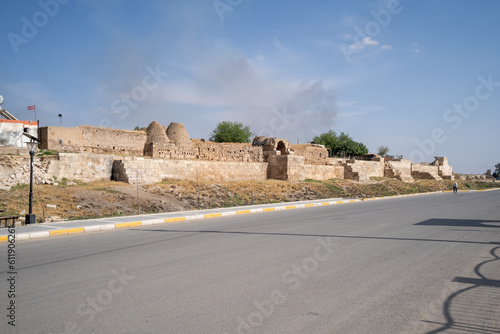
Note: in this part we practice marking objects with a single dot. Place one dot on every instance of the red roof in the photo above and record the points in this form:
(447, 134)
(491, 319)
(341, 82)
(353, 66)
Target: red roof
(18, 122)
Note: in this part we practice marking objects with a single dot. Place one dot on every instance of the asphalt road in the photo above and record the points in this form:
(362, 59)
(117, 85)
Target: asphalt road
(427, 264)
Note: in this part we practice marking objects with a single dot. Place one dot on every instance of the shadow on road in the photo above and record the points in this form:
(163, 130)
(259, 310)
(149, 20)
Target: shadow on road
(460, 222)
(475, 308)
(197, 232)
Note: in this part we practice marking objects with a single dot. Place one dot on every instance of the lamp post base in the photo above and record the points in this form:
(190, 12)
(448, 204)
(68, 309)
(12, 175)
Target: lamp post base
(30, 218)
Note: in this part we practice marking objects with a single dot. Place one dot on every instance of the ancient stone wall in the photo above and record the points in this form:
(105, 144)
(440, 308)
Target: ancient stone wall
(425, 171)
(361, 170)
(444, 168)
(48, 169)
(228, 152)
(314, 155)
(101, 140)
(81, 166)
(60, 138)
(155, 170)
(318, 172)
(93, 140)
(16, 170)
(276, 144)
(399, 169)
(170, 151)
(178, 151)
(286, 167)
(206, 151)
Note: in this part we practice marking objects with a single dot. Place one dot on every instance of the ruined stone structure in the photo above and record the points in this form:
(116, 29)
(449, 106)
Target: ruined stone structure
(92, 140)
(399, 169)
(314, 154)
(158, 152)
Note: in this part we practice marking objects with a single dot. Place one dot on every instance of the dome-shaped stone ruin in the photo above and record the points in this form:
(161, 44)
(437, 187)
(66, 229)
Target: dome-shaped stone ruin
(156, 133)
(178, 134)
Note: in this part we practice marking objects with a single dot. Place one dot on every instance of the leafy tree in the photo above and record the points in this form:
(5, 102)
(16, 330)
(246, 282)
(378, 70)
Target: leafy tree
(329, 139)
(137, 128)
(497, 170)
(231, 132)
(341, 145)
(383, 150)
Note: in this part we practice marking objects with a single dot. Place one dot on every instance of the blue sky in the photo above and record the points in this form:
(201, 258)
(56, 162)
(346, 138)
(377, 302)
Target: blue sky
(421, 76)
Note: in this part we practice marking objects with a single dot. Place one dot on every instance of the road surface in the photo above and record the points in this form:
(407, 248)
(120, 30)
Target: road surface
(426, 264)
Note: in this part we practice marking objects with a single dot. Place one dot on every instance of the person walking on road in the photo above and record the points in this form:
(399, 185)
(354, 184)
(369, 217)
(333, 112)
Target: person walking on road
(455, 187)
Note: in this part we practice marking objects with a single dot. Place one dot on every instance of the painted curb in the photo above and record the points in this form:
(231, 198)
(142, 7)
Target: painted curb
(149, 222)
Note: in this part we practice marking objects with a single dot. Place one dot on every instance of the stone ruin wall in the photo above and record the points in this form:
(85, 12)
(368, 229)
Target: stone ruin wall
(425, 171)
(283, 161)
(314, 155)
(444, 168)
(399, 169)
(209, 151)
(286, 167)
(92, 140)
(321, 173)
(128, 169)
(437, 170)
(100, 140)
(361, 170)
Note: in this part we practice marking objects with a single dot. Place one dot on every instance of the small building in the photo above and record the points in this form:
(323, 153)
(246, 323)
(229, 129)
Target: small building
(11, 132)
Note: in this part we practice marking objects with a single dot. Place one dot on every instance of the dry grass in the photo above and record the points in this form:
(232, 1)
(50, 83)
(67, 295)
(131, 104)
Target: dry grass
(107, 198)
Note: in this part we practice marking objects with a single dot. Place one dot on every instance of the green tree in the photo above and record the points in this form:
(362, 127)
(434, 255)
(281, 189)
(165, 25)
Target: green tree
(231, 132)
(137, 128)
(383, 150)
(497, 170)
(341, 145)
(329, 139)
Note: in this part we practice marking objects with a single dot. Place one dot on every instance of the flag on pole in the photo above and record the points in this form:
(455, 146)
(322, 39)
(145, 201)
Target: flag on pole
(31, 107)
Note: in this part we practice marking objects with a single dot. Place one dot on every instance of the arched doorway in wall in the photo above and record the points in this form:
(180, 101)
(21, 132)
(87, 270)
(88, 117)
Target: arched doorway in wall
(281, 147)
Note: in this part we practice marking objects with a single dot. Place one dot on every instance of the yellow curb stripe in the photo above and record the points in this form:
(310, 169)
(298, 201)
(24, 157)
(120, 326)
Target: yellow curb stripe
(243, 212)
(325, 203)
(339, 202)
(125, 225)
(213, 215)
(352, 201)
(76, 230)
(269, 209)
(174, 219)
(290, 207)
(309, 205)
(4, 238)
(58, 232)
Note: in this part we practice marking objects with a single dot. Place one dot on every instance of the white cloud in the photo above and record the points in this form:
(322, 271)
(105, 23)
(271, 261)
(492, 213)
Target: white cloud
(416, 48)
(386, 47)
(237, 88)
(361, 45)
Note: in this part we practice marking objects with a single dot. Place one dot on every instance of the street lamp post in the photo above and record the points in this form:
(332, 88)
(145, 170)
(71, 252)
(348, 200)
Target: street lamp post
(30, 217)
